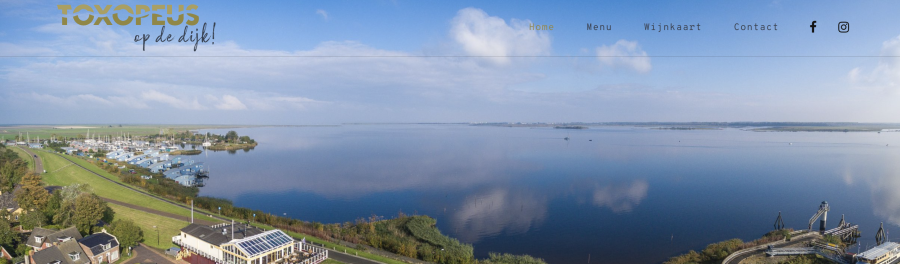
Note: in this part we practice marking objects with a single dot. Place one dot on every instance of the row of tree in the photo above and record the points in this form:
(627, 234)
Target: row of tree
(12, 169)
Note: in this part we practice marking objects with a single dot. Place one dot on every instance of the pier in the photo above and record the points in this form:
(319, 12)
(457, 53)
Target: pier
(811, 242)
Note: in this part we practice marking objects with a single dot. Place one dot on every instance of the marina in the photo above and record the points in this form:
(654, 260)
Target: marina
(151, 155)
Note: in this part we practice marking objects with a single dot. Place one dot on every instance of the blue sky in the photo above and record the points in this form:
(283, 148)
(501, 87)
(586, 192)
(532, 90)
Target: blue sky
(305, 90)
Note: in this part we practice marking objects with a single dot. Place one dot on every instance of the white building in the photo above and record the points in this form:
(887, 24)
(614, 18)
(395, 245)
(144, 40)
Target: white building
(242, 244)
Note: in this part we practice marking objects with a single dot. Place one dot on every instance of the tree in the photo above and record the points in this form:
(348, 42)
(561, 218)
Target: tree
(32, 195)
(12, 168)
(127, 232)
(69, 193)
(32, 219)
(89, 209)
(23, 250)
(231, 135)
(8, 236)
(53, 205)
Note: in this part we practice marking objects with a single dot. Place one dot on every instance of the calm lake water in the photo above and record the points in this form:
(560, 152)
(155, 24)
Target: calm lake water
(616, 194)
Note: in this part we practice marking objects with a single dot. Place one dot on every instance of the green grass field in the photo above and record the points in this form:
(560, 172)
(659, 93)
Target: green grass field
(168, 227)
(103, 188)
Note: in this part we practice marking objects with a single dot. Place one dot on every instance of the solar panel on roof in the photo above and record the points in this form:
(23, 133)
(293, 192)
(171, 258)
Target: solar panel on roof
(263, 243)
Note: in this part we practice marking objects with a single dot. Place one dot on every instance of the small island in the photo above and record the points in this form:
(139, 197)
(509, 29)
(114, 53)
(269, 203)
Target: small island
(186, 152)
(230, 141)
(686, 128)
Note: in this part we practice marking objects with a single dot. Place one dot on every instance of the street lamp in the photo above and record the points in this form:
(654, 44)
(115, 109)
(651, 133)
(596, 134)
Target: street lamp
(157, 234)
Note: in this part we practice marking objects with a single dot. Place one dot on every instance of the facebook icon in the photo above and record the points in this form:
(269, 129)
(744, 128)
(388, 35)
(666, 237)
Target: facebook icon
(813, 26)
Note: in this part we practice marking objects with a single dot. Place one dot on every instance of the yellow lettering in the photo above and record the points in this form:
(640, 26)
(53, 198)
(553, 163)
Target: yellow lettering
(116, 16)
(176, 22)
(102, 12)
(540, 27)
(141, 8)
(155, 18)
(83, 22)
(146, 10)
(196, 18)
(65, 10)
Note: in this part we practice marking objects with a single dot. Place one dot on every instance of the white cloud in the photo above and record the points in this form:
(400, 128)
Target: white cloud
(78, 100)
(322, 13)
(229, 102)
(626, 54)
(156, 96)
(340, 83)
(885, 77)
(483, 35)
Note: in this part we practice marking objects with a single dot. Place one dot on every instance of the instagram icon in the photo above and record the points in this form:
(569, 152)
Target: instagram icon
(843, 26)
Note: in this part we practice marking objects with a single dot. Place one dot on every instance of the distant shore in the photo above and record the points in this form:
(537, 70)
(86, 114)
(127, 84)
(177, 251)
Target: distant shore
(750, 126)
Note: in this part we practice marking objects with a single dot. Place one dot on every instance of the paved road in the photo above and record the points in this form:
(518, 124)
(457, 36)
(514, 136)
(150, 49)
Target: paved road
(38, 166)
(339, 256)
(143, 254)
(793, 243)
(347, 258)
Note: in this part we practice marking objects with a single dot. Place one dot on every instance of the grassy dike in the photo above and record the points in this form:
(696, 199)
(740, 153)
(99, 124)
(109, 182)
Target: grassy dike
(103, 188)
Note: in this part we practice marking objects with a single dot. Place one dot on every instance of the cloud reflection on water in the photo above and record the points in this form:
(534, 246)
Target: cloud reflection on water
(883, 184)
(497, 211)
(515, 211)
(886, 197)
(621, 198)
